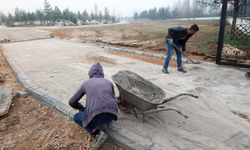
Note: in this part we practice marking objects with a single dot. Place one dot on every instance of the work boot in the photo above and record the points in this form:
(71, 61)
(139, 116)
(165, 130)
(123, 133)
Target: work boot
(182, 70)
(165, 71)
(96, 133)
(100, 138)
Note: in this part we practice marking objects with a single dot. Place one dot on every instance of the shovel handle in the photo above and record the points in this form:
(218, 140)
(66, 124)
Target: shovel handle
(193, 62)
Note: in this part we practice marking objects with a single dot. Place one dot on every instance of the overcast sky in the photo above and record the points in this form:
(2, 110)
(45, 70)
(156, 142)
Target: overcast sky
(121, 7)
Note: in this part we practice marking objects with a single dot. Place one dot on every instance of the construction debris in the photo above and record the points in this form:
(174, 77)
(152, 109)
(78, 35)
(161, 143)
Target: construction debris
(5, 41)
(2, 77)
(22, 94)
(5, 100)
(233, 51)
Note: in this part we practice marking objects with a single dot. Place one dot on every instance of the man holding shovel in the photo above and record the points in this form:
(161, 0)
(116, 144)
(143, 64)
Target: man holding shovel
(176, 39)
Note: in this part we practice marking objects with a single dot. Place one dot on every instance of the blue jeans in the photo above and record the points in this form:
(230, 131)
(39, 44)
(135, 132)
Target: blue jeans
(169, 48)
(98, 120)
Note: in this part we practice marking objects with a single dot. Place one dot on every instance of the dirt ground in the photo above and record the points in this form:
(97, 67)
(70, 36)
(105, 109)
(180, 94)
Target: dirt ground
(146, 36)
(142, 58)
(30, 124)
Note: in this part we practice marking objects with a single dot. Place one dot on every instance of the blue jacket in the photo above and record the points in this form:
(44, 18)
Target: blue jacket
(179, 36)
(100, 95)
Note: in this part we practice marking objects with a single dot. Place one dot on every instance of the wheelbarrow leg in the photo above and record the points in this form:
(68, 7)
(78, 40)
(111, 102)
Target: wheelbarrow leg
(135, 113)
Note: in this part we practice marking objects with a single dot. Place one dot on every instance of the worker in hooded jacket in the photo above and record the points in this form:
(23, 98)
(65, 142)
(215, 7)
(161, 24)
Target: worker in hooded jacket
(100, 107)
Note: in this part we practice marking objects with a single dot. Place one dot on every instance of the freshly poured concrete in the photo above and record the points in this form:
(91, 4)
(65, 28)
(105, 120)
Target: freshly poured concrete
(214, 122)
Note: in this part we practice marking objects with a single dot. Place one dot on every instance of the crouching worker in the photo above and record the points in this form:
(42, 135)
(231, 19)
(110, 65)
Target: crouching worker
(101, 107)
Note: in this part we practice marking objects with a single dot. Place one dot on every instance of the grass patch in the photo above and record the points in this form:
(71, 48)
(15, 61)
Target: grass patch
(208, 43)
(207, 39)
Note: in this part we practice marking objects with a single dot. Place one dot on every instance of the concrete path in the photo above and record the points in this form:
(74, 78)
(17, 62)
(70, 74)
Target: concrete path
(22, 34)
(54, 69)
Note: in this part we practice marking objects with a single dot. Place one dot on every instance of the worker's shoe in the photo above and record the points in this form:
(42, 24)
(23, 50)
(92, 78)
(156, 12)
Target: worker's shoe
(96, 133)
(101, 137)
(182, 70)
(165, 71)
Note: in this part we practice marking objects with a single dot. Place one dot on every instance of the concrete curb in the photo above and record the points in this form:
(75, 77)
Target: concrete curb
(137, 52)
(120, 136)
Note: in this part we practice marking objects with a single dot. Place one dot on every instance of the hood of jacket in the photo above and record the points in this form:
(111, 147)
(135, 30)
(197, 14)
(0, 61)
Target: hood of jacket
(96, 71)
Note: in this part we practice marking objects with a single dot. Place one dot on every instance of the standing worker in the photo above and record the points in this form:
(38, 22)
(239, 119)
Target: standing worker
(177, 38)
(101, 107)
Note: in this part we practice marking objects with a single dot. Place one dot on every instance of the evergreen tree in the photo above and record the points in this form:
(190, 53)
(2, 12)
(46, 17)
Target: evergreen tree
(144, 15)
(10, 20)
(57, 14)
(39, 15)
(2, 18)
(136, 16)
(18, 15)
(95, 12)
(79, 15)
(92, 16)
(49, 15)
(85, 15)
(47, 10)
(100, 16)
(66, 14)
(106, 14)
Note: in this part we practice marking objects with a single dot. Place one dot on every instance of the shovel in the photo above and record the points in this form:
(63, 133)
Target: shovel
(193, 62)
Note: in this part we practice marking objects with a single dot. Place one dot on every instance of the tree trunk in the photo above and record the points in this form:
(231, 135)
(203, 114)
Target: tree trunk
(235, 16)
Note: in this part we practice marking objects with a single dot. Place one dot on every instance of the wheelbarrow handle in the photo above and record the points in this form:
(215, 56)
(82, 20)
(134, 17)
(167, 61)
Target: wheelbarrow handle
(182, 94)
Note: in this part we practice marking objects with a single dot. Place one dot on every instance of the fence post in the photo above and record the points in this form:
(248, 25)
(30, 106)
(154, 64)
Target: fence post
(221, 31)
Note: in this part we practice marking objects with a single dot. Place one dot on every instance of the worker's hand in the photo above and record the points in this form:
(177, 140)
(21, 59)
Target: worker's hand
(184, 54)
(170, 41)
(82, 109)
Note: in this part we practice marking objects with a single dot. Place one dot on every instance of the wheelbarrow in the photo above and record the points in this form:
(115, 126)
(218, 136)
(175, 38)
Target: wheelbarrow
(142, 96)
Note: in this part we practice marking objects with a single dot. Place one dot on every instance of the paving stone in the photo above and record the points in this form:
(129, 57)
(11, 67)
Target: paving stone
(63, 108)
(51, 99)
(239, 141)
(72, 113)
(123, 137)
(5, 100)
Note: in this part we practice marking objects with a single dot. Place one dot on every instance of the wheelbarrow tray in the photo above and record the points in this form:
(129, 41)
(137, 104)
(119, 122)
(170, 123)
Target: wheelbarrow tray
(137, 91)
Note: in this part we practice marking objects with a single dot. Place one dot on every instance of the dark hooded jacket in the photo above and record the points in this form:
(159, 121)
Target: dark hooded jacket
(100, 95)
